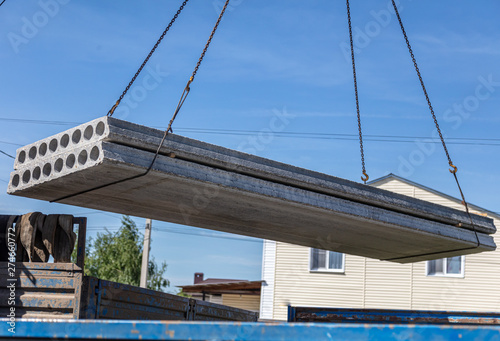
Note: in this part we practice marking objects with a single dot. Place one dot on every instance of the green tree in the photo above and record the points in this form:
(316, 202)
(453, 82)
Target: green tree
(117, 257)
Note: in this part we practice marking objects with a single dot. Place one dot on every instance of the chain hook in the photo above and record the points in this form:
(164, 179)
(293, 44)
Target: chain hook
(112, 111)
(365, 177)
(189, 83)
(454, 170)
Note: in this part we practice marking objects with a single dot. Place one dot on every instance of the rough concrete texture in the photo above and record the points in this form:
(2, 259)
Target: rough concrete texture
(66, 148)
(58, 144)
(227, 199)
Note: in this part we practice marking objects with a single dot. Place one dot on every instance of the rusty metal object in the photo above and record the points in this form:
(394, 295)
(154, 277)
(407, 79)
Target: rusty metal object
(42, 290)
(340, 315)
(206, 311)
(126, 302)
(59, 290)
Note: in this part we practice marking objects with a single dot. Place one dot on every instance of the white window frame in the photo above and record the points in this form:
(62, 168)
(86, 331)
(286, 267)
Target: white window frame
(445, 274)
(341, 270)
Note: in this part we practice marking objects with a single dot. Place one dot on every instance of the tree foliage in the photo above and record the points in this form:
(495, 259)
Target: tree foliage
(117, 257)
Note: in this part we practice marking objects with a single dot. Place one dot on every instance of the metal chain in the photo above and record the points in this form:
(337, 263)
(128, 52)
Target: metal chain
(365, 177)
(185, 93)
(112, 110)
(423, 86)
(209, 41)
(169, 129)
(453, 169)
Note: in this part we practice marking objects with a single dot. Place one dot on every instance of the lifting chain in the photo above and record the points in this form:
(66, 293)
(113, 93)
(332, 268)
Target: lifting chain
(365, 176)
(453, 169)
(185, 93)
(112, 110)
(169, 129)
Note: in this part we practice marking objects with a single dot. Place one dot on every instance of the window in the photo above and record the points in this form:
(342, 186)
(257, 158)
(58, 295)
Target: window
(452, 266)
(322, 260)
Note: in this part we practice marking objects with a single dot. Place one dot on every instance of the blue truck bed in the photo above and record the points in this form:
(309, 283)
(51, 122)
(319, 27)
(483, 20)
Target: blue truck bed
(197, 331)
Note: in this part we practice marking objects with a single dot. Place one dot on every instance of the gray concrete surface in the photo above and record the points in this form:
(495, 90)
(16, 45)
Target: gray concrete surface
(196, 193)
(48, 151)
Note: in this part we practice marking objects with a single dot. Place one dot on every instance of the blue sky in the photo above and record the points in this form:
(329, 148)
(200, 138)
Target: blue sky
(66, 62)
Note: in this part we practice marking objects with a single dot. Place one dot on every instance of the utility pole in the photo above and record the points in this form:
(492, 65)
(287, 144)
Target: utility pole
(145, 254)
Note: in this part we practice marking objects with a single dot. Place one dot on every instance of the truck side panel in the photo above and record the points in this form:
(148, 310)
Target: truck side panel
(343, 315)
(125, 302)
(42, 290)
(198, 331)
(206, 311)
(48, 290)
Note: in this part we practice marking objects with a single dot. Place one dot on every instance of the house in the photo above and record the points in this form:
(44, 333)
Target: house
(301, 276)
(235, 293)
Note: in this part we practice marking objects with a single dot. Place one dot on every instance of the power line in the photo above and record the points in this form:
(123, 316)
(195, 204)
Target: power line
(167, 230)
(236, 131)
(208, 235)
(4, 153)
(352, 137)
(302, 135)
(96, 227)
(2, 3)
(246, 132)
(11, 143)
(23, 120)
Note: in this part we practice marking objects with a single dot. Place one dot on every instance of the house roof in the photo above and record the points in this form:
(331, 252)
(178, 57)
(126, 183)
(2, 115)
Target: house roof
(228, 287)
(219, 280)
(391, 176)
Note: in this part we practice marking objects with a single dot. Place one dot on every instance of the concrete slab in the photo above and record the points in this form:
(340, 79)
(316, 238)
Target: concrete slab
(50, 152)
(183, 191)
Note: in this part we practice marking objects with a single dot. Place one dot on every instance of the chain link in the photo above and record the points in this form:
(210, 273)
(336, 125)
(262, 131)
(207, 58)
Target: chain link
(422, 83)
(208, 42)
(185, 93)
(365, 177)
(454, 169)
(112, 110)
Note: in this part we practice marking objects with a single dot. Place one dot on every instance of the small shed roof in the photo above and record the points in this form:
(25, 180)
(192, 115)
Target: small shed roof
(209, 286)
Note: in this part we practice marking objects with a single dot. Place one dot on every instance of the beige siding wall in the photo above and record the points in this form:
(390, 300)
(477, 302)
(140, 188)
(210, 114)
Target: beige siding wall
(296, 285)
(214, 299)
(388, 285)
(247, 302)
(479, 289)
(369, 283)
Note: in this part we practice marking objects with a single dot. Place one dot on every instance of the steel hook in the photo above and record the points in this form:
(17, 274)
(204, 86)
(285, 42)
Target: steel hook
(365, 178)
(454, 170)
